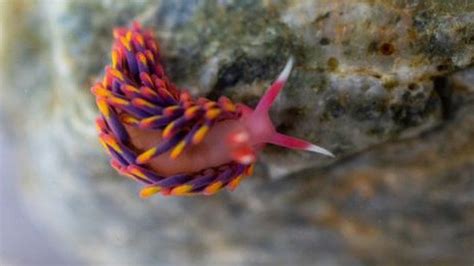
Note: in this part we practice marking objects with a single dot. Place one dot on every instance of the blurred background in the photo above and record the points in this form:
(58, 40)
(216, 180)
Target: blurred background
(388, 86)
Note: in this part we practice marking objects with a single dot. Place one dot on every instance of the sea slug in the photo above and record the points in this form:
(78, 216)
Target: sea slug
(174, 144)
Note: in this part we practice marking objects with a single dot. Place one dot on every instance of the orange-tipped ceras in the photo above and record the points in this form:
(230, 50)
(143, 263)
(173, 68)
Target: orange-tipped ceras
(174, 144)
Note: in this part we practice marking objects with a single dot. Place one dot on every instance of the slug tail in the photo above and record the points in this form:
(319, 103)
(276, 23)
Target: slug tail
(298, 144)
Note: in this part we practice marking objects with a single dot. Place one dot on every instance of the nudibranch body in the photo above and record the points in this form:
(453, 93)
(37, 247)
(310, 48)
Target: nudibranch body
(174, 144)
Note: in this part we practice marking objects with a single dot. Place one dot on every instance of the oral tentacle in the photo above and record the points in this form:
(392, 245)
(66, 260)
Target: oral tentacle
(272, 92)
(298, 144)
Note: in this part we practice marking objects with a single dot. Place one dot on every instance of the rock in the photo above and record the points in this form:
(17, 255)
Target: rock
(386, 86)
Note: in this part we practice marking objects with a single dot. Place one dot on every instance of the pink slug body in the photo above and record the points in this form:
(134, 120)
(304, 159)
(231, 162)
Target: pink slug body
(172, 143)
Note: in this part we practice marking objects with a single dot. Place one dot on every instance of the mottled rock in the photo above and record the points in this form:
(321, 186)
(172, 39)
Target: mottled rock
(386, 85)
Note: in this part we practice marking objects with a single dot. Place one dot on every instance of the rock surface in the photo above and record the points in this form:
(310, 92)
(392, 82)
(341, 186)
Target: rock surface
(386, 85)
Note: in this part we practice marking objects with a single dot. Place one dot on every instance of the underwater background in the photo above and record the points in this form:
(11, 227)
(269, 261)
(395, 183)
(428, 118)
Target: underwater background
(387, 85)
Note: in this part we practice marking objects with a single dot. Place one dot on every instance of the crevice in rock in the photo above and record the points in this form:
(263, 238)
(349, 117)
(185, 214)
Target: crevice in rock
(442, 87)
(243, 69)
